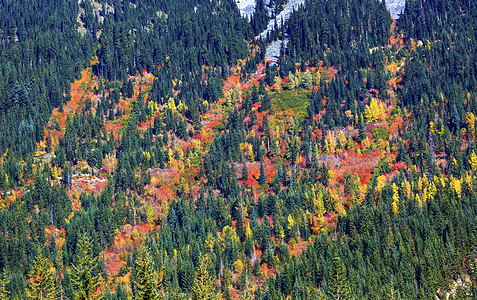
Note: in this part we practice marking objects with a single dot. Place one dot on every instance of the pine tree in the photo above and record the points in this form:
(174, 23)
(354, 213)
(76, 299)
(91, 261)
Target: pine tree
(3, 290)
(266, 103)
(307, 79)
(177, 294)
(338, 286)
(41, 279)
(244, 172)
(254, 95)
(473, 161)
(86, 285)
(262, 179)
(146, 280)
(204, 283)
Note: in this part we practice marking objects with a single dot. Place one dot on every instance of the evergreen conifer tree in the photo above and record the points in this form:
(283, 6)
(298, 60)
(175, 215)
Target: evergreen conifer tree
(41, 279)
(3, 290)
(204, 283)
(262, 179)
(244, 172)
(86, 285)
(338, 286)
(146, 281)
(266, 103)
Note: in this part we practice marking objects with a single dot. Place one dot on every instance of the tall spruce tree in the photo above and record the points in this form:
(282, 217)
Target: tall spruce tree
(41, 279)
(146, 281)
(262, 179)
(204, 282)
(3, 287)
(86, 285)
(338, 286)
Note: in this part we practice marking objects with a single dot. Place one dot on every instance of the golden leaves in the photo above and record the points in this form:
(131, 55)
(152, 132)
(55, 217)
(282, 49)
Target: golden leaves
(375, 111)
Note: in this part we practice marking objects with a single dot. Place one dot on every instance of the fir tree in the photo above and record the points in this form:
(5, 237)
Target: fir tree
(41, 279)
(146, 281)
(262, 179)
(3, 290)
(266, 103)
(338, 286)
(86, 285)
(244, 172)
(204, 283)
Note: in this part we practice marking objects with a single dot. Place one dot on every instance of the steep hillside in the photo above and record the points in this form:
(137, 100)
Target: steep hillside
(179, 163)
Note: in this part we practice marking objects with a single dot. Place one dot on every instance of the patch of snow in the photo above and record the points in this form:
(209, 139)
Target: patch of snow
(246, 7)
(395, 7)
(282, 16)
(273, 50)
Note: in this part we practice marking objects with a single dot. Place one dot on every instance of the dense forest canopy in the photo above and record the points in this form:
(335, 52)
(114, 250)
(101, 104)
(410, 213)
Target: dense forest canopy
(149, 151)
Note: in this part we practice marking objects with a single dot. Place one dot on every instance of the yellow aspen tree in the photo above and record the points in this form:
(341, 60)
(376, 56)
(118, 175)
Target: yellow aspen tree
(250, 152)
(456, 185)
(180, 107)
(470, 120)
(473, 161)
(406, 186)
(425, 195)
(291, 222)
(366, 143)
(171, 104)
(432, 126)
(375, 111)
(395, 203)
(381, 182)
(291, 81)
(317, 78)
(248, 231)
(147, 155)
(342, 139)
(432, 191)
(319, 205)
(340, 209)
(307, 79)
(442, 130)
(330, 143)
(419, 185)
(110, 161)
(209, 242)
(418, 200)
(3, 283)
(55, 174)
(150, 212)
(278, 83)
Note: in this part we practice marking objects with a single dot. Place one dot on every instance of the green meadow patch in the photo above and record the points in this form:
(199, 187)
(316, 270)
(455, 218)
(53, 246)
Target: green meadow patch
(295, 100)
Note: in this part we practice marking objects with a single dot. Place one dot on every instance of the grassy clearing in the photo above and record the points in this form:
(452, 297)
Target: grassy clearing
(296, 101)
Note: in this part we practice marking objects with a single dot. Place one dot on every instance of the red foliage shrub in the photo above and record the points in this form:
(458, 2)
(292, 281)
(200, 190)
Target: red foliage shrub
(164, 193)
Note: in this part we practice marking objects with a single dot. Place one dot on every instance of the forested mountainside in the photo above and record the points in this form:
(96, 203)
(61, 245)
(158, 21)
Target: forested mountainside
(149, 150)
